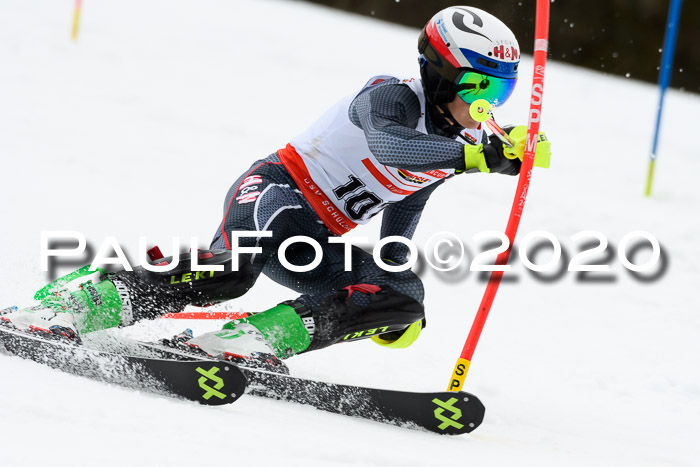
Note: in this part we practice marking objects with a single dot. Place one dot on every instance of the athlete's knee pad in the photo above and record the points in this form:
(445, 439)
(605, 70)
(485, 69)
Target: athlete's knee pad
(359, 312)
(154, 293)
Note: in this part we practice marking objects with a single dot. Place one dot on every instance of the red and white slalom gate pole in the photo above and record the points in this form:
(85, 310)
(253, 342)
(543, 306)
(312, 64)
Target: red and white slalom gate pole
(541, 36)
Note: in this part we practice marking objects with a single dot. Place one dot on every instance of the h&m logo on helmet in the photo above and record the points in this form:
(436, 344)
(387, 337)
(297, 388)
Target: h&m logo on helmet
(504, 52)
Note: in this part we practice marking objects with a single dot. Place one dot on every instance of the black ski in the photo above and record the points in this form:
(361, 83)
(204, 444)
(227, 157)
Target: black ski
(444, 412)
(205, 381)
(214, 382)
(449, 413)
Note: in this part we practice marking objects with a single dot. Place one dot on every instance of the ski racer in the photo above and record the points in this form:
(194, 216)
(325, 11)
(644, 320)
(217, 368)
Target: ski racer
(385, 148)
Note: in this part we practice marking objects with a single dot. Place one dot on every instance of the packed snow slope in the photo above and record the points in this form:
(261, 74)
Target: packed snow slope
(138, 129)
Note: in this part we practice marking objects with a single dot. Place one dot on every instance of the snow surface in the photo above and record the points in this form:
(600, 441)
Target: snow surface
(140, 127)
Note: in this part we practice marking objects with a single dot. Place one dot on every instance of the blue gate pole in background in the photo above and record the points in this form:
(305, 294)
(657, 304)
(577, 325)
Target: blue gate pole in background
(674, 16)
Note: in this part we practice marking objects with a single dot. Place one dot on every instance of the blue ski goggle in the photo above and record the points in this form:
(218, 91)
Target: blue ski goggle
(472, 85)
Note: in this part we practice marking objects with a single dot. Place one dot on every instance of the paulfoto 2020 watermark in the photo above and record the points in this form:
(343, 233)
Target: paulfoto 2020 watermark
(443, 251)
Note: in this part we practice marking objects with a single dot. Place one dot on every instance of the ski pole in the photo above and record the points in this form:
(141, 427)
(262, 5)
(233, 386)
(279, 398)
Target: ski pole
(674, 14)
(540, 58)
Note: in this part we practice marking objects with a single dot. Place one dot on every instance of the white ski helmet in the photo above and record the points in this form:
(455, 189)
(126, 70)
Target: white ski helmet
(468, 52)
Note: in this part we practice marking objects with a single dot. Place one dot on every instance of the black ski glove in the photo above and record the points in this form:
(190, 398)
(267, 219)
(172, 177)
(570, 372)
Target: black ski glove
(497, 161)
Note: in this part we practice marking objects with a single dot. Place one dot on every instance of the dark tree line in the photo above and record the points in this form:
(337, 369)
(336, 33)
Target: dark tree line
(622, 37)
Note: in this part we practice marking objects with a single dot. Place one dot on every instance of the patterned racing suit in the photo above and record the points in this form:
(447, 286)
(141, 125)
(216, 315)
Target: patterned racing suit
(375, 151)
